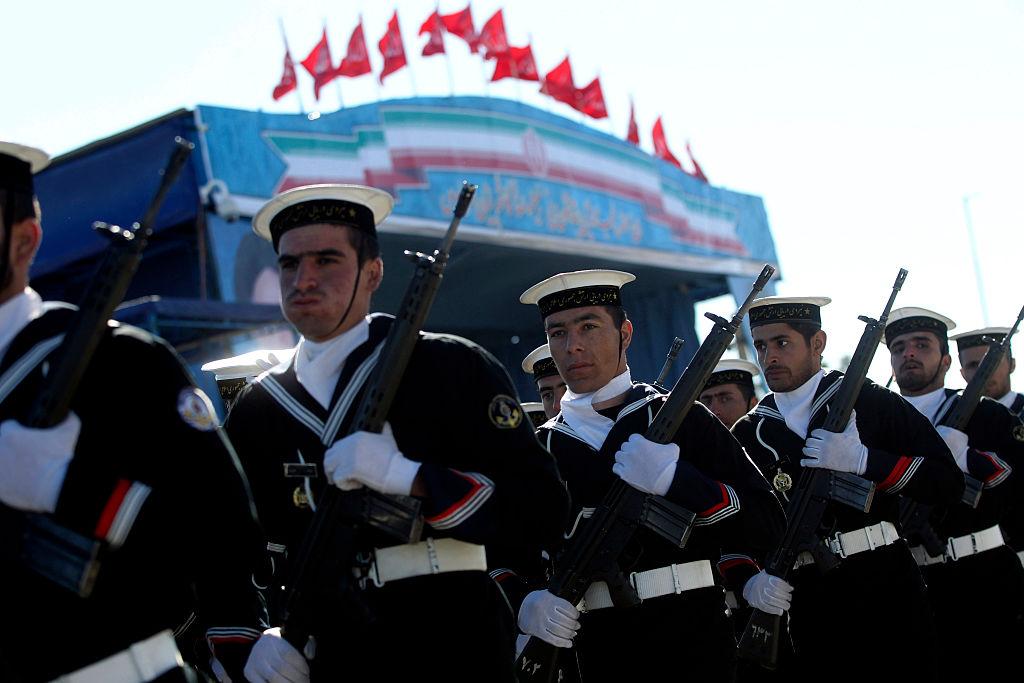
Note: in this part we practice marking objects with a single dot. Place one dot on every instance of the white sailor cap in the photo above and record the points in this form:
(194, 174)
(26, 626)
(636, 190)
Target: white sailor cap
(248, 364)
(733, 371)
(539, 363)
(577, 289)
(357, 206)
(787, 309)
(979, 337)
(915, 319)
(17, 165)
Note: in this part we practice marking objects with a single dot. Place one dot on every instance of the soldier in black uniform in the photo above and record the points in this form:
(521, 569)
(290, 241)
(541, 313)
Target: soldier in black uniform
(875, 598)
(457, 439)
(971, 347)
(597, 437)
(140, 466)
(976, 587)
(539, 364)
(729, 391)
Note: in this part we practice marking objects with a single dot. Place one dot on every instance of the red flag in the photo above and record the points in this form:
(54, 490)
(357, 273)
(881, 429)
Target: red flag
(461, 24)
(435, 29)
(492, 37)
(661, 146)
(590, 100)
(357, 60)
(698, 172)
(632, 133)
(392, 49)
(318, 64)
(558, 83)
(517, 62)
(288, 80)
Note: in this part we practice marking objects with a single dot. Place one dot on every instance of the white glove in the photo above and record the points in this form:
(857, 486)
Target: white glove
(646, 465)
(34, 462)
(274, 660)
(373, 460)
(842, 452)
(768, 593)
(957, 442)
(546, 616)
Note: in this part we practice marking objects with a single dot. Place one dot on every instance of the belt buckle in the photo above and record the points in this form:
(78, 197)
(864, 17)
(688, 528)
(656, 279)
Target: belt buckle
(835, 544)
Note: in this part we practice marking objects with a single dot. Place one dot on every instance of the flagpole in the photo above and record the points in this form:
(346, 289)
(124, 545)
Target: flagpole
(974, 256)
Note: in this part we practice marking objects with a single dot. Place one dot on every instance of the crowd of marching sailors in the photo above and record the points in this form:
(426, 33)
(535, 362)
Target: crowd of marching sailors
(471, 504)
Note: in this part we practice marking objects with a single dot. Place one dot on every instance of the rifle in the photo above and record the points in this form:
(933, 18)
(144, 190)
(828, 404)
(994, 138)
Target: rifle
(592, 554)
(814, 491)
(670, 359)
(52, 551)
(914, 517)
(328, 549)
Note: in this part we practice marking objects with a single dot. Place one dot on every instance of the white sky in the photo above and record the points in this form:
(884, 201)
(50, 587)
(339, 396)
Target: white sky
(862, 125)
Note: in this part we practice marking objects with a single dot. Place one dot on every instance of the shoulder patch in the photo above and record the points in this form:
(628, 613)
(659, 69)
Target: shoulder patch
(1018, 432)
(196, 410)
(505, 412)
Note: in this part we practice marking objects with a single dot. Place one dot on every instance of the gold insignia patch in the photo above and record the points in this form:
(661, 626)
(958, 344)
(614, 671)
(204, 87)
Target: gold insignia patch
(299, 498)
(505, 412)
(195, 409)
(782, 482)
(1018, 432)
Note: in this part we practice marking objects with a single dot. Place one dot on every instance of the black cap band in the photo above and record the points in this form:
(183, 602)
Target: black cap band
(979, 340)
(317, 211)
(16, 175)
(545, 367)
(785, 313)
(917, 323)
(596, 295)
(730, 377)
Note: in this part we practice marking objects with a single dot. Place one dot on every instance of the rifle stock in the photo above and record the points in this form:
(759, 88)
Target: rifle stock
(327, 552)
(815, 489)
(592, 553)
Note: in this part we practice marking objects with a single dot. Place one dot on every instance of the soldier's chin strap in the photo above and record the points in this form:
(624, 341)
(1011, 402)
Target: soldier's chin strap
(351, 299)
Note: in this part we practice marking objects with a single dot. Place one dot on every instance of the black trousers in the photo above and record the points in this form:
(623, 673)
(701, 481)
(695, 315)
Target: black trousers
(868, 619)
(686, 637)
(977, 603)
(447, 627)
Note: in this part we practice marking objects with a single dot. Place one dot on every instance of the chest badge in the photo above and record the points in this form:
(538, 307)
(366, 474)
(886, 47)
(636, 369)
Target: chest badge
(299, 498)
(782, 482)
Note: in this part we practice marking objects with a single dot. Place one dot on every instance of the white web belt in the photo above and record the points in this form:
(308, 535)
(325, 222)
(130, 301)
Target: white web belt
(653, 583)
(422, 559)
(959, 547)
(143, 661)
(855, 542)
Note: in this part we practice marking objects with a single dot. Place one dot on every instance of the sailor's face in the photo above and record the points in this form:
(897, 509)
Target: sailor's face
(786, 358)
(726, 402)
(319, 268)
(918, 362)
(999, 384)
(551, 389)
(585, 344)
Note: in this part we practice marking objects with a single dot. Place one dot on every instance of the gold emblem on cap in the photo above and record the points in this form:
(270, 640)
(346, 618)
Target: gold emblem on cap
(299, 498)
(782, 482)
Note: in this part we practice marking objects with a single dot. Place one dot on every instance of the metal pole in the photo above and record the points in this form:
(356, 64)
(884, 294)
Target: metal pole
(974, 257)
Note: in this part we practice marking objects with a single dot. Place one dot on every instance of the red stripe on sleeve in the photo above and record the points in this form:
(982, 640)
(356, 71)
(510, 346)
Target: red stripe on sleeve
(111, 508)
(717, 506)
(897, 472)
(476, 486)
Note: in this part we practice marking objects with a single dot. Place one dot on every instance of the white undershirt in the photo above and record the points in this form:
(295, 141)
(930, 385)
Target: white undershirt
(318, 364)
(16, 313)
(795, 405)
(1008, 400)
(578, 409)
(928, 404)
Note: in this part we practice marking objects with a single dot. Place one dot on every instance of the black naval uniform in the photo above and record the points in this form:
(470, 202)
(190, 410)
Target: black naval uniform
(738, 522)
(977, 598)
(870, 614)
(154, 479)
(488, 480)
